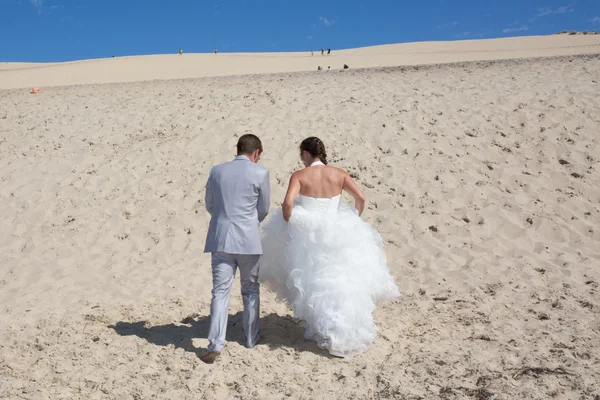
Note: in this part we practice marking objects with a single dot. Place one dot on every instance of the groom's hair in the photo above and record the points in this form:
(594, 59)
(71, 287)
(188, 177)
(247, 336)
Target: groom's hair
(248, 144)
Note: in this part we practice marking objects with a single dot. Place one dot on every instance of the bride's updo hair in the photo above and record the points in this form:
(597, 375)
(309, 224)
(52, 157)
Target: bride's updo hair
(315, 148)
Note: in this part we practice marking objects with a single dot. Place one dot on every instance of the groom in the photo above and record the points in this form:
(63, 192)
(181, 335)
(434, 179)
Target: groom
(237, 198)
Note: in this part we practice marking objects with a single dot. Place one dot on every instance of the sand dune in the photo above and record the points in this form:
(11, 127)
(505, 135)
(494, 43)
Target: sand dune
(173, 66)
(482, 178)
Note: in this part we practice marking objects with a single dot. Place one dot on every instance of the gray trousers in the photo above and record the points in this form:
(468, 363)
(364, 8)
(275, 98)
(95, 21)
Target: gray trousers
(224, 266)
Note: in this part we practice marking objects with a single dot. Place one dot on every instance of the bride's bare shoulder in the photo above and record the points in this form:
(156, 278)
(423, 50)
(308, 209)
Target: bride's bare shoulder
(298, 172)
(337, 170)
(297, 175)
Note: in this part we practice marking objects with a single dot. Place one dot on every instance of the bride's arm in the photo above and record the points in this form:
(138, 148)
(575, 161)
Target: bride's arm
(292, 192)
(352, 188)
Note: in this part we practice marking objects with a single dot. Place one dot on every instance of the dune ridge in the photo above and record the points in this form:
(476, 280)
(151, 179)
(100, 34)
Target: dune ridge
(174, 66)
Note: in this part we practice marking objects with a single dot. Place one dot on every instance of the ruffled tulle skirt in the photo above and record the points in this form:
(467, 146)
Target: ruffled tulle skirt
(330, 268)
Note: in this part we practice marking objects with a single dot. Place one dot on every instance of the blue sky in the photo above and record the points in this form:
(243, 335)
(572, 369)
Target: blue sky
(59, 30)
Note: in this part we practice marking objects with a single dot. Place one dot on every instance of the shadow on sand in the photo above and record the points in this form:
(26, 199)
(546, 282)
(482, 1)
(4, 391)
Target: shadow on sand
(275, 331)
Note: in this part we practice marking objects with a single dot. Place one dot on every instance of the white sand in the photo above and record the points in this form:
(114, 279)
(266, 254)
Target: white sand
(494, 242)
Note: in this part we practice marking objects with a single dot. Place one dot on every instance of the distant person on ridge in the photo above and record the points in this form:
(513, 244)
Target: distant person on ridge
(328, 51)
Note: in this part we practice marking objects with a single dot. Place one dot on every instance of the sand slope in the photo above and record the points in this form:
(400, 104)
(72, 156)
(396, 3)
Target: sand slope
(173, 66)
(481, 177)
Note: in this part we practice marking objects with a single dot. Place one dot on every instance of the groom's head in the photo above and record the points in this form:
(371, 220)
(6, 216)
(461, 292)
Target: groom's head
(250, 146)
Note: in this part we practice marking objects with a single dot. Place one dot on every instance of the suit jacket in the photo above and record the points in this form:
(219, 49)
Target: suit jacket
(237, 198)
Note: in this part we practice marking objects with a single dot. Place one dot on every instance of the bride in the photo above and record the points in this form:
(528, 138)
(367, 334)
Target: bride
(323, 260)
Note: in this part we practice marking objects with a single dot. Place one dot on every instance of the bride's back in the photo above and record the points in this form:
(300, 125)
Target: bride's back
(321, 181)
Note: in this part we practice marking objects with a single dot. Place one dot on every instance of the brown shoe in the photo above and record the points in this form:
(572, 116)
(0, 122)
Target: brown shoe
(210, 357)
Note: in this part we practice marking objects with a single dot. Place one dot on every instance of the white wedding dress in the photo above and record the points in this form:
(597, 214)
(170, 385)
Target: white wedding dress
(329, 266)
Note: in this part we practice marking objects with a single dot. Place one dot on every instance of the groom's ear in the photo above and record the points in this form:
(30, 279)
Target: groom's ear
(256, 155)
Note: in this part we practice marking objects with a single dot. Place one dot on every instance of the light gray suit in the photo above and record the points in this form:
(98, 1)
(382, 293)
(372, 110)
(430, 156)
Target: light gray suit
(237, 198)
